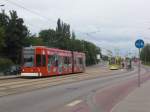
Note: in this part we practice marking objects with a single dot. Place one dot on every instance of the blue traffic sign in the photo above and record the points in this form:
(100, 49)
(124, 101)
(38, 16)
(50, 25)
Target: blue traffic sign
(139, 43)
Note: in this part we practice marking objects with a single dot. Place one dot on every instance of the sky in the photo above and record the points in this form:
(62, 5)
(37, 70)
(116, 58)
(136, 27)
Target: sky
(111, 24)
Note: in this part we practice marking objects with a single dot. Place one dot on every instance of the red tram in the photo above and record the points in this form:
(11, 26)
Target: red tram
(42, 61)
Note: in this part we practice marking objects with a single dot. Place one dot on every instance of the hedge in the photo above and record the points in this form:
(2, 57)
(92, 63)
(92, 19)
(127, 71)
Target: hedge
(5, 64)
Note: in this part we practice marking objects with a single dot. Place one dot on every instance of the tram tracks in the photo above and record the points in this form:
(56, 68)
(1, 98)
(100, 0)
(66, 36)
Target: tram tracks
(23, 85)
(23, 80)
(51, 79)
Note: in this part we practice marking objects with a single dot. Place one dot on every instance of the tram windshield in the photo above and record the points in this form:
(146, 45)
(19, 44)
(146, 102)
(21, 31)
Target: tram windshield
(28, 62)
(28, 57)
(115, 60)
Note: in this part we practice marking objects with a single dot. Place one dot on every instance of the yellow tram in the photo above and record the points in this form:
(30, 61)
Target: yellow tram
(115, 63)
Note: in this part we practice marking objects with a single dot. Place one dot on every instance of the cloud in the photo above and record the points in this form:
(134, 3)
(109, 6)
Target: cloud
(108, 23)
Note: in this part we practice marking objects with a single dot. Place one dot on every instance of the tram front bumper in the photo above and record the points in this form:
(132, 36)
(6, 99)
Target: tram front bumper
(31, 74)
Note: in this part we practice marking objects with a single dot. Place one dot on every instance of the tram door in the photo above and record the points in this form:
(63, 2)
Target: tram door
(55, 64)
(49, 64)
(60, 64)
(52, 64)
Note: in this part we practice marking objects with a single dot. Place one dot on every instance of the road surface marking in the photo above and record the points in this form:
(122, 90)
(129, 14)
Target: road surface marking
(74, 103)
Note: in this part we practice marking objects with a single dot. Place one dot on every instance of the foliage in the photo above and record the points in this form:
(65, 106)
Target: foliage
(15, 34)
(49, 37)
(63, 39)
(145, 54)
(34, 41)
(2, 43)
(5, 64)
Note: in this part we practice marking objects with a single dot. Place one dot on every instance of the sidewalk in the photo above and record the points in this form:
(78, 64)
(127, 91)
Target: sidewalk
(9, 77)
(137, 101)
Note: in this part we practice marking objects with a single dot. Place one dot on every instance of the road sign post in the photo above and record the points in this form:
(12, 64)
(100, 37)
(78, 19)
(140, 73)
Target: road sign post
(139, 69)
(139, 44)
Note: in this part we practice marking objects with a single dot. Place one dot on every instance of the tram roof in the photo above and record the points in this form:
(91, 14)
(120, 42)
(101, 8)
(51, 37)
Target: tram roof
(55, 49)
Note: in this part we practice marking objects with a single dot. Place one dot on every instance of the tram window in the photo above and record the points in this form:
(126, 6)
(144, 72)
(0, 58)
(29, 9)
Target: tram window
(49, 59)
(52, 60)
(28, 62)
(80, 61)
(43, 60)
(49, 63)
(75, 61)
(56, 63)
(38, 60)
(60, 60)
(65, 60)
(69, 60)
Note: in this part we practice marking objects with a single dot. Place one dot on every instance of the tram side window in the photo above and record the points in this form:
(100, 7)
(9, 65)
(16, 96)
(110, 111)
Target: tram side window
(69, 60)
(38, 60)
(56, 63)
(65, 60)
(43, 60)
(80, 61)
(60, 60)
(75, 61)
(49, 59)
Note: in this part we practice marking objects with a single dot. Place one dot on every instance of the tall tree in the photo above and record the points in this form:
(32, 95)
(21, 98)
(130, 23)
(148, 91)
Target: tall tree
(16, 32)
(73, 37)
(49, 37)
(2, 43)
(63, 34)
(4, 19)
(145, 54)
(61, 38)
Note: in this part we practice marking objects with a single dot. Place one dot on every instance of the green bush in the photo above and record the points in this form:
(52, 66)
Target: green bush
(5, 64)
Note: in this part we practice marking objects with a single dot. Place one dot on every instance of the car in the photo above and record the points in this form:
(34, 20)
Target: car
(13, 70)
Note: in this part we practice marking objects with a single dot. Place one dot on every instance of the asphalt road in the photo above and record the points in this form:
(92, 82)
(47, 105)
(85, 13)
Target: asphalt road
(51, 99)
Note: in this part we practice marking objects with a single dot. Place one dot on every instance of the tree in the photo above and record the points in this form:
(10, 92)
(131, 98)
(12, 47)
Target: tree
(91, 51)
(2, 43)
(34, 41)
(49, 37)
(145, 54)
(73, 36)
(61, 38)
(4, 19)
(63, 34)
(15, 34)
